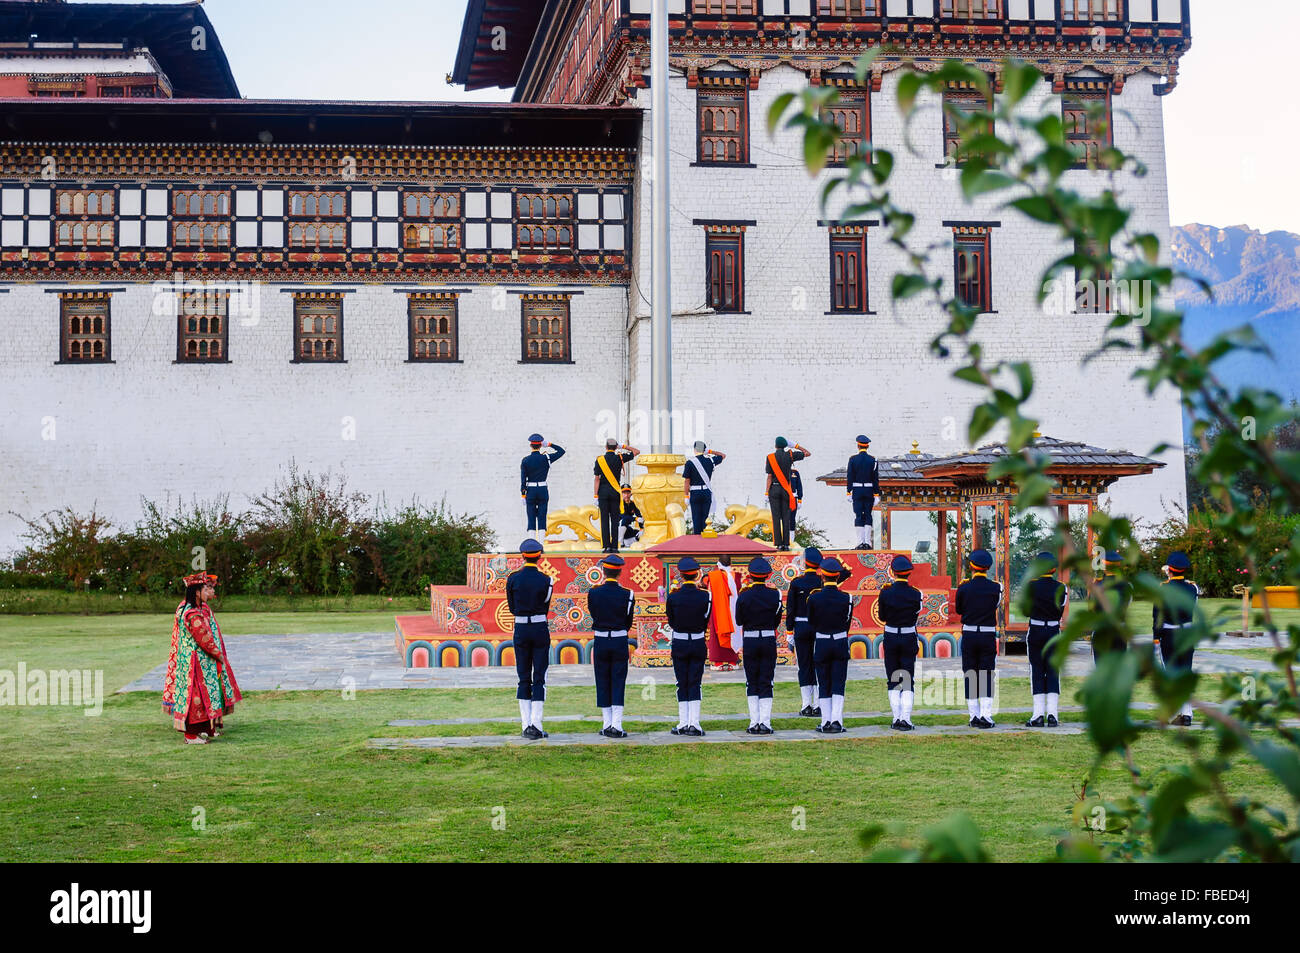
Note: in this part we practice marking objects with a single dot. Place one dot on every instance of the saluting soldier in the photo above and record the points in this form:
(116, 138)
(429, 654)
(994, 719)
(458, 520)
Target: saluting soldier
(780, 492)
(900, 605)
(612, 607)
(607, 491)
(758, 615)
(830, 612)
(1119, 595)
(528, 596)
(1048, 598)
(977, 604)
(533, 471)
(697, 475)
(1173, 614)
(687, 608)
(863, 480)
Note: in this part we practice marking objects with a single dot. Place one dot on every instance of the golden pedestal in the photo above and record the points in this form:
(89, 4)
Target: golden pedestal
(655, 490)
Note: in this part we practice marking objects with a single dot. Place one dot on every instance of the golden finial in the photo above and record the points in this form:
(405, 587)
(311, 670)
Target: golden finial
(916, 448)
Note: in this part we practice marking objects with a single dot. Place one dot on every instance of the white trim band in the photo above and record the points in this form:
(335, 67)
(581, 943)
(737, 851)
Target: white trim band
(979, 628)
(1053, 623)
(761, 634)
(529, 618)
(618, 634)
(688, 636)
(837, 635)
(896, 630)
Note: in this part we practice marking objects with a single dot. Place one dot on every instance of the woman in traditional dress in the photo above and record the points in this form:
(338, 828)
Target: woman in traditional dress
(199, 688)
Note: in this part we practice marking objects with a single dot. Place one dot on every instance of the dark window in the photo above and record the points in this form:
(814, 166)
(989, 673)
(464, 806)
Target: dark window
(723, 124)
(1086, 114)
(972, 9)
(1093, 10)
(1093, 293)
(433, 331)
(959, 106)
(849, 272)
(545, 329)
(318, 328)
(725, 271)
(848, 8)
(200, 219)
(852, 114)
(545, 222)
(971, 262)
(202, 331)
(85, 329)
(725, 8)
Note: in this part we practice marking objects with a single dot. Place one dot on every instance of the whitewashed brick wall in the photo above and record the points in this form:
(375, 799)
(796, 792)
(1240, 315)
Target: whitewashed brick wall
(122, 430)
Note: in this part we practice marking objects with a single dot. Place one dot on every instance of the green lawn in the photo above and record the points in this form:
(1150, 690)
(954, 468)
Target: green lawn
(292, 779)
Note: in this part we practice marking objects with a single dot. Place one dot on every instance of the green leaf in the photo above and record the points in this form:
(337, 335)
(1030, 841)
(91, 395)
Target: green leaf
(1036, 207)
(777, 110)
(1107, 694)
(908, 286)
(1282, 763)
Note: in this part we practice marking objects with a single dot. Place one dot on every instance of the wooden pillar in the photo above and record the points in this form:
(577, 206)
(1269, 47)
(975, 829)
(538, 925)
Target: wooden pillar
(1091, 538)
(941, 551)
(887, 528)
(1063, 517)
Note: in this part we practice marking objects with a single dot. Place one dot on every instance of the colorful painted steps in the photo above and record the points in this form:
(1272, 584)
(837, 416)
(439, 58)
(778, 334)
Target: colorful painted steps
(471, 625)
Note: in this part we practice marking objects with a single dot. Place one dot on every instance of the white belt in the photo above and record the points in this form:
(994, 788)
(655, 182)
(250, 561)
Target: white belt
(1179, 625)
(620, 634)
(529, 618)
(699, 489)
(861, 486)
(687, 636)
(979, 628)
(837, 635)
(895, 630)
(760, 634)
(802, 619)
(1054, 623)
(534, 484)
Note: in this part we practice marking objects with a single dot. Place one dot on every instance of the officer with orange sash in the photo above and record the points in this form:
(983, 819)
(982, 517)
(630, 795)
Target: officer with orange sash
(781, 496)
(607, 490)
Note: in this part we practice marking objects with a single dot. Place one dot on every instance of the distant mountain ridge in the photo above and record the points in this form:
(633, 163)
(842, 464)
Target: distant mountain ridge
(1247, 268)
(1256, 280)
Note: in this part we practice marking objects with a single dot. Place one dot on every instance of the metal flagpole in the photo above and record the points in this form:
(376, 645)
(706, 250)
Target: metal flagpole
(661, 307)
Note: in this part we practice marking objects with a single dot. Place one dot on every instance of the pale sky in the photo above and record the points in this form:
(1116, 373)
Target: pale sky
(1231, 125)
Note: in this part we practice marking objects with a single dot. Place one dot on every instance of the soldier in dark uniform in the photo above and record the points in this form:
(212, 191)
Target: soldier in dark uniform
(612, 607)
(801, 631)
(758, 615)
(1119, 594)
(533, 471)
(688, 608)
(780, 492)
(631, 522)
(900, 605)
(863, 481)
(830, 612)
(1172, 616)
(697, 475)
(1048, 598)
(607, 491)
(977, 604)
(528, 596)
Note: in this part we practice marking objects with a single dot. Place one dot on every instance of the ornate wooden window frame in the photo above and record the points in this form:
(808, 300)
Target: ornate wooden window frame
(717, 94)
(724, 265)
(549, 307)
(203, 304)
(848, 258)
(974, 239)
(326, 304)
(431, 303)
(78, 306)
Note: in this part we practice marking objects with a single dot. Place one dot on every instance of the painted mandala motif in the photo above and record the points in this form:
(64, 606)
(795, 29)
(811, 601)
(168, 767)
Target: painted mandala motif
(586, 574)
(569, 614)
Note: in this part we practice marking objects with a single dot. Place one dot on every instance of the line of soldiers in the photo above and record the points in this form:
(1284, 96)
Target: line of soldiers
(783, 488)
(820, 615)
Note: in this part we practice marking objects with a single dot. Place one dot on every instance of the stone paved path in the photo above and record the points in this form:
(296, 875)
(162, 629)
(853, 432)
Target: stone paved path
(367, 660)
